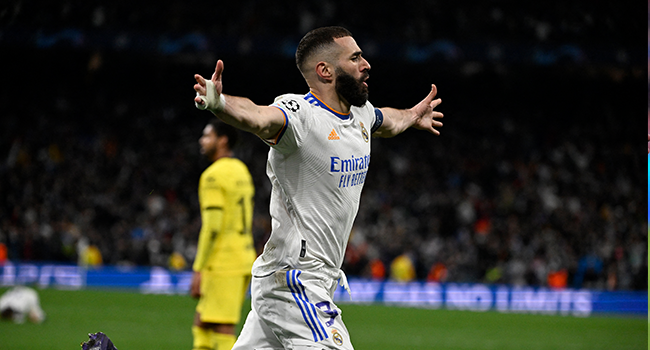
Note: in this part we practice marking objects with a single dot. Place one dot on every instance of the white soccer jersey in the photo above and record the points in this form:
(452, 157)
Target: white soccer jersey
(24, 302)
(317, 166)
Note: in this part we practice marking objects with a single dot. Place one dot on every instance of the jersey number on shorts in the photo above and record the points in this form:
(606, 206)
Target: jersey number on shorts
(327, 308)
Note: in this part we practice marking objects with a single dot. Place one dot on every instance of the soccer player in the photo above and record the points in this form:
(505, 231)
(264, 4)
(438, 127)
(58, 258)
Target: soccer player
(20, 303)
(225, 252)
(317, 163)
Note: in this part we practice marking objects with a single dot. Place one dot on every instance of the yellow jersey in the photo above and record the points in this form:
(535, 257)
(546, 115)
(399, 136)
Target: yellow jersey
(226, 198)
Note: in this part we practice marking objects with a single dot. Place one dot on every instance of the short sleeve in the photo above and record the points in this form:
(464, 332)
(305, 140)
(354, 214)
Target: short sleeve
(297, 123)
(210, 195)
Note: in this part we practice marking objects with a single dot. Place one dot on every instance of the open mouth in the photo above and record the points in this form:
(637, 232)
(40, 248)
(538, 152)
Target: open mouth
(364, 78)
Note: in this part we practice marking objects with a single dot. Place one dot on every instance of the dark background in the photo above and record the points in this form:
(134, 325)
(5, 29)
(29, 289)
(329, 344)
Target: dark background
(539, 169)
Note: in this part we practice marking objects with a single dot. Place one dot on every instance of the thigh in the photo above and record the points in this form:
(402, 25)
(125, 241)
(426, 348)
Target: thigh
(222, 297)
(256, 335)
(297, 306)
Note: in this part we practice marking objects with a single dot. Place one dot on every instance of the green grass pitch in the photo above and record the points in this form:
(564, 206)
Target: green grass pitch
(146, 322)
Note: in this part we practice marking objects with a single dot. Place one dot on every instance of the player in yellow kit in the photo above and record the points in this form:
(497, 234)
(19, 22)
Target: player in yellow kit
(225, 253)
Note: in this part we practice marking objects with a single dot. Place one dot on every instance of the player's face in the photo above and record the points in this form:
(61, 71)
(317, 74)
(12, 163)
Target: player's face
(352, 72)
(352, 90)
(208, 141)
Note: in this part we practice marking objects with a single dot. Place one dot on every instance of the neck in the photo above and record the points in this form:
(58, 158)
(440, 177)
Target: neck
(221, 154)
(332, 99)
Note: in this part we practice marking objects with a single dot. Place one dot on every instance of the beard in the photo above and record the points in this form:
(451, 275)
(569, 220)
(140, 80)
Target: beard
(208, 153)
(350, 89)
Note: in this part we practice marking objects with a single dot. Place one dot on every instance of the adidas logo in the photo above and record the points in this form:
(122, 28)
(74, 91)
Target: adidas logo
(333, 135)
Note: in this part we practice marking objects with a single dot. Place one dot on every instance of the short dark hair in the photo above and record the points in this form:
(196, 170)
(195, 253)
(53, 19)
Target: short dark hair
(220, 129)
(317, 39)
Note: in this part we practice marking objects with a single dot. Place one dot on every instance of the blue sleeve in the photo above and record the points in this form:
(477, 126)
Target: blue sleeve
(379, 119)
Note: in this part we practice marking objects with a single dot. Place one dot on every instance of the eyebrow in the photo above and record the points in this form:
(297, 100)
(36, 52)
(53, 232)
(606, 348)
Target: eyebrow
(357, 53)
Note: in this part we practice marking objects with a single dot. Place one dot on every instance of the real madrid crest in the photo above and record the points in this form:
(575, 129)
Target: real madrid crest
(336, 336)
(364, 132)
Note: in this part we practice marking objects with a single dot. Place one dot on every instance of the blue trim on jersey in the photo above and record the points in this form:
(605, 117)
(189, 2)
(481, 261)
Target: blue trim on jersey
(311, 98)
(298, 292)
(284, 127)
(379, 120)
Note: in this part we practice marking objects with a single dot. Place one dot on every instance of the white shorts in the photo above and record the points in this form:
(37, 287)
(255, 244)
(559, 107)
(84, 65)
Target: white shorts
(293, 309)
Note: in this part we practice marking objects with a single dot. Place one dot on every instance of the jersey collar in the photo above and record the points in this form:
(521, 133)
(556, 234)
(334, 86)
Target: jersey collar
(313, 99)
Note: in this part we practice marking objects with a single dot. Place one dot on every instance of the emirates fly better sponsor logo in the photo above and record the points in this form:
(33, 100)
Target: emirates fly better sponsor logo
(353, 170)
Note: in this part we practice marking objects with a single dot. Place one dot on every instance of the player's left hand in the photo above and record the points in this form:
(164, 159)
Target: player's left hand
(425, 114)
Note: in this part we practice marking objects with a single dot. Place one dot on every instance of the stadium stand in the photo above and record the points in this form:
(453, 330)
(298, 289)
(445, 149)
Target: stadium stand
(535, 180)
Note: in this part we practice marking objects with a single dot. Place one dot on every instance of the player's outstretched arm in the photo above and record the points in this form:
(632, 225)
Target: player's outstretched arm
(422, 116)
(240, 112)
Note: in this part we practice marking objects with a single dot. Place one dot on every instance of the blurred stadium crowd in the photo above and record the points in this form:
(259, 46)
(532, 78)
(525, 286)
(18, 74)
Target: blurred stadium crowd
(534, 181)
(423, 20)
(576, 31)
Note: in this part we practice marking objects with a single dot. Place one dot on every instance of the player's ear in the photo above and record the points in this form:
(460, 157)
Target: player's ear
(222, 140)
(324, 71)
